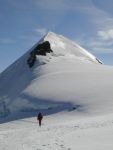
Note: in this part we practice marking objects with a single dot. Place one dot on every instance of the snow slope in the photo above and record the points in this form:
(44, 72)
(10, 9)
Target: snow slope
(63, 131)
(70, 78)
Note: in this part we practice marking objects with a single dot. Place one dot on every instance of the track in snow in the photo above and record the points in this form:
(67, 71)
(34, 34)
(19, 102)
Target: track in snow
(26, 135)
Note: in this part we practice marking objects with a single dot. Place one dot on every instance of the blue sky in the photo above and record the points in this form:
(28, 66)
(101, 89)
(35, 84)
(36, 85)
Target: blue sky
(87, 22)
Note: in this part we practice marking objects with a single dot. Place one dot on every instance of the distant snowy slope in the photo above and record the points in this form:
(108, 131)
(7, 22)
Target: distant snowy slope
(69, 78)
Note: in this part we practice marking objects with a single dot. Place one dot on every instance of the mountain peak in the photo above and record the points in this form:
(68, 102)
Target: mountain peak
(64, 46)
(60, 46)
(50, 33)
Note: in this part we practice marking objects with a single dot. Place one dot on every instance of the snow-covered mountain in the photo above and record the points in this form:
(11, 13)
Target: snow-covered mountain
(65, 79)
(69, 78)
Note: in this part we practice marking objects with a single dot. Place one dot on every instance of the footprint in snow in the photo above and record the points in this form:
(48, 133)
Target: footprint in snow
(69, 149)
(62, 145)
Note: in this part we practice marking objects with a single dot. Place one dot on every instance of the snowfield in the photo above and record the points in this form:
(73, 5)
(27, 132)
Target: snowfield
(73, 91)
(58, 132)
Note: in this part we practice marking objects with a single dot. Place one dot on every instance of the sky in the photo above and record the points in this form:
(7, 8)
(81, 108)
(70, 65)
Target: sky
(87, 22)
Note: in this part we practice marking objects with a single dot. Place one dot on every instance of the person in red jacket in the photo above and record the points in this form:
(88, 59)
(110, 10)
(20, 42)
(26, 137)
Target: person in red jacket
(39, 118)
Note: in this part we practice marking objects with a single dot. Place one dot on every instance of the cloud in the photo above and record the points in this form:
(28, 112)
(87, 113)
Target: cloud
(96, 45)
(56, 11)
(101, 38)
(7, 41)
(106, 35)
(41, 31)
(52, 4)
(99, 46)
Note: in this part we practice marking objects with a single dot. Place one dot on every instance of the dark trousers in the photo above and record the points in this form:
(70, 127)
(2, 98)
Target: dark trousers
(40, 122)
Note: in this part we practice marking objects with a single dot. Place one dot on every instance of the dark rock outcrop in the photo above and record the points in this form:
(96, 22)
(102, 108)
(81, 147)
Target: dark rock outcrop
(40, 49)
